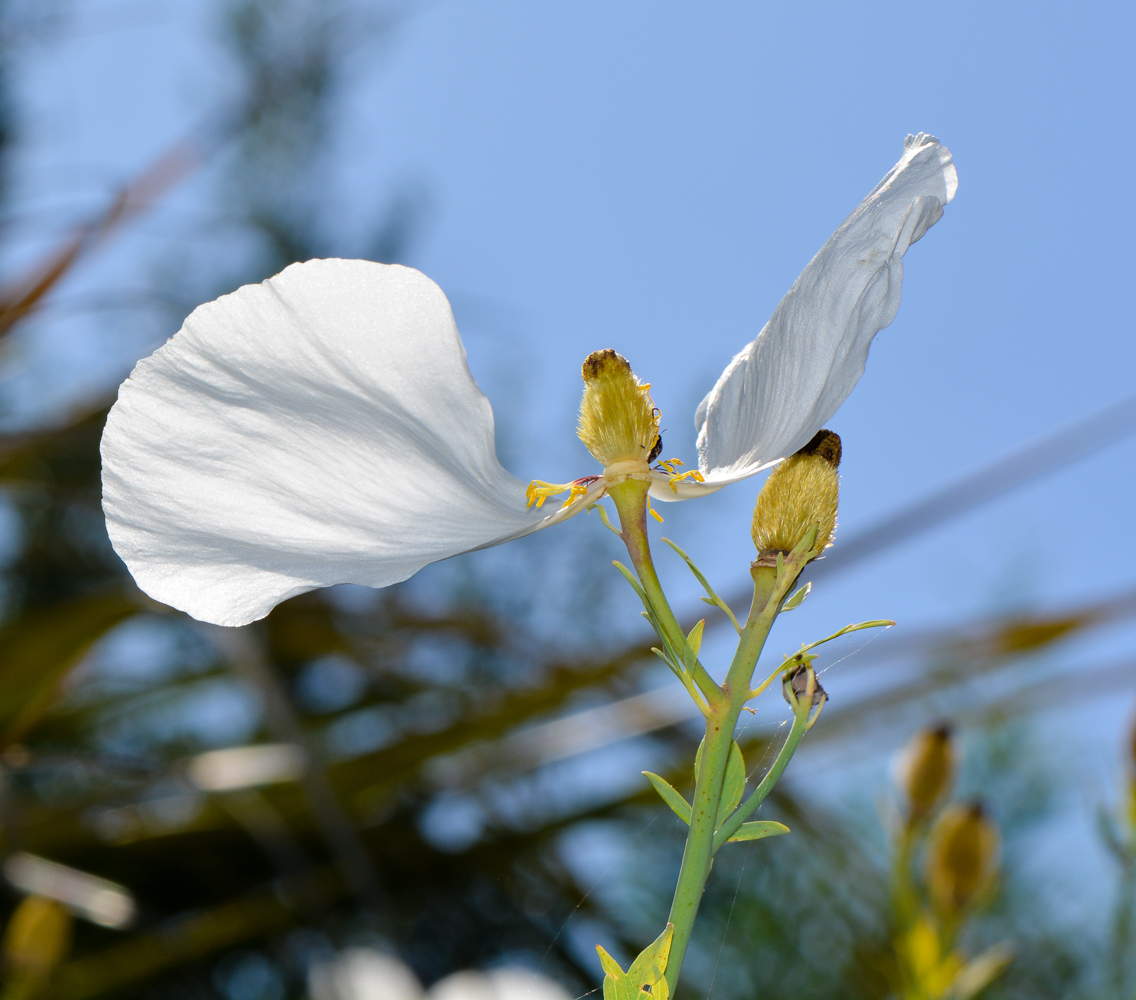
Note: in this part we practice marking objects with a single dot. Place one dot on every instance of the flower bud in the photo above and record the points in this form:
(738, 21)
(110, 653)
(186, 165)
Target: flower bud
(800, 492)
(796, 685)
(961, 858)
(618, 421)
(37, 938)
(926, 770)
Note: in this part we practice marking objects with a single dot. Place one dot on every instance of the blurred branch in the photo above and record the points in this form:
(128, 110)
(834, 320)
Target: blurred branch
(21, 296)
(245, 654)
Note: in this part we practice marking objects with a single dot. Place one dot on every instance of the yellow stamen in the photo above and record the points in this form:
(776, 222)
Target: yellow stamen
(671, 464)
(538, 491)
(654, 513)
(693, 474)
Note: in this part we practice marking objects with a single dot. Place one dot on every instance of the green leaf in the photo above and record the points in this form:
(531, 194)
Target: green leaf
(670, 796)
(645, 977)
(758, 829)
(733, 784)
(651, 965)
(713, 599)
(798, 598)
(877, 623)
(693, 645)
(635, 585)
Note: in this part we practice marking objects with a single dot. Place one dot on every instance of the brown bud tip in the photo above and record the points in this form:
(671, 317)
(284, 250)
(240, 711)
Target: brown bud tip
(826, 444)
(605, 362)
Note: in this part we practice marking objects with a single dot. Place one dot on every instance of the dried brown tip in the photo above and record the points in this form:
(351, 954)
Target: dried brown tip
(605, 362)
(826, 444)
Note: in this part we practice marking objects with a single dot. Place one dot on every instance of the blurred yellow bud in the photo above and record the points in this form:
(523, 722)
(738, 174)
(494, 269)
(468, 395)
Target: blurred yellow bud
(618, 421)
(926, 770)
(801, 492)
(962, 858)
(37, 938)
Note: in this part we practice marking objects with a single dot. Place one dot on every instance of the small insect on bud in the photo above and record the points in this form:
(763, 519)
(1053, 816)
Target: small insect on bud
(36, 939)
(926, 770)
(801, 492)
(797, 685)
(962, 858)
(618, 421)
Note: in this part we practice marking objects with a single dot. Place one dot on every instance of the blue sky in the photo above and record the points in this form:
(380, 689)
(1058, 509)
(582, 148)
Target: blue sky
(651, 176)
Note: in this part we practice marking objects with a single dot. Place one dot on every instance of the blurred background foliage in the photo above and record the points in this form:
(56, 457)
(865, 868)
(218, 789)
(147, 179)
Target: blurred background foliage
(448, 773)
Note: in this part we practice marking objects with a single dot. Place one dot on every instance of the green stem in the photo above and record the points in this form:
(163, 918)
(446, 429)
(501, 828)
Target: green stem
(698, 855)
(630, 500)
(700, 839)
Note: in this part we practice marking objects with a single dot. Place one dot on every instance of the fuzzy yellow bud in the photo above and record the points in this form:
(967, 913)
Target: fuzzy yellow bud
(961, 858)
(801, 492)
(926, 771)
(37, 938)
(618, 421)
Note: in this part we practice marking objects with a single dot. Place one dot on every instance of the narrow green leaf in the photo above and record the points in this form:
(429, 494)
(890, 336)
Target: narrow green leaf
(713, 599)
(758, 829)
(630, 578)
(798, 598)
(671, 796)
(877, 623)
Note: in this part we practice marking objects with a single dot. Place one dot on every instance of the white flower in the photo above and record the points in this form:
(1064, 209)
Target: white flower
(323, 427)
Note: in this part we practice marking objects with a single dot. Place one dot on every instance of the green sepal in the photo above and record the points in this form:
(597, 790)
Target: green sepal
(733, 781)
(671, 796)
(798, 598)
(645, 978)
(758, 829)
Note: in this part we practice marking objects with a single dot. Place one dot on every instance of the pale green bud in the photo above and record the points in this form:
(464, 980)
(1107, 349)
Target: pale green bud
(926, 771)
(801, 492)
(962, 858)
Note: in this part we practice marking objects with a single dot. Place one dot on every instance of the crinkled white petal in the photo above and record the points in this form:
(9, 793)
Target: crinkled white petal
(782, 388)
(319, 428)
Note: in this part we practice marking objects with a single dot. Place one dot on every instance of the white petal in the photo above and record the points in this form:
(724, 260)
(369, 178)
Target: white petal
(319, 428)
(782, 388)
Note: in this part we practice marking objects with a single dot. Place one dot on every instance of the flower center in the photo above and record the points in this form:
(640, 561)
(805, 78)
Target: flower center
(618, 421)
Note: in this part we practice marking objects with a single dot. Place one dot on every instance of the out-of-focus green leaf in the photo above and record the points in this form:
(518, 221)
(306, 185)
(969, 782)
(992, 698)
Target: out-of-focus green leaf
(39, 650)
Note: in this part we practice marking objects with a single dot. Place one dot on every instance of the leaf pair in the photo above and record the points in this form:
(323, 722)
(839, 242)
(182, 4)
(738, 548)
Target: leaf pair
(645, 977)
(733, 788)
